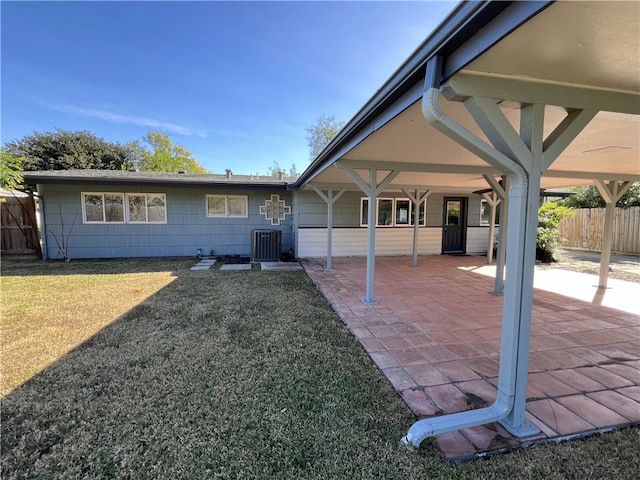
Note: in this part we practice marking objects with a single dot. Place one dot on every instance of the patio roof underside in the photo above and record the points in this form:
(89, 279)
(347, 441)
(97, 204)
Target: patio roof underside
(570, 56)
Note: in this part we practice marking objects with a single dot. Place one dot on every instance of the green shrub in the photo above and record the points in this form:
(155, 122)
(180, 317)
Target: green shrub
(548, 237)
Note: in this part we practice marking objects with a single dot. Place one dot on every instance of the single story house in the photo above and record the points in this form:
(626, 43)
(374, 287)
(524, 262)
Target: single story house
(115, 214)
(541, 94)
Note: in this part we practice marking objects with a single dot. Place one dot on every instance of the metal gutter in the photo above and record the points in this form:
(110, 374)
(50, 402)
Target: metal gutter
(451, 41)
(70, 180)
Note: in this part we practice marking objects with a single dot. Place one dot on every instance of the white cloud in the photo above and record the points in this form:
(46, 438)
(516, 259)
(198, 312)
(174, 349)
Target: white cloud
(126, 119)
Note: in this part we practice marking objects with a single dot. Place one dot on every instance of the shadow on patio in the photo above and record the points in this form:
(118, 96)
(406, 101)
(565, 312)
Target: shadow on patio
(435, 334)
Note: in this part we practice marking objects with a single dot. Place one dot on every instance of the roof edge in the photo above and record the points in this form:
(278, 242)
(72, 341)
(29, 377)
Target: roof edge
(462, 23)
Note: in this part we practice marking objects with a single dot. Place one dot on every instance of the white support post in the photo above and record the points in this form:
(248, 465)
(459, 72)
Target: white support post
(493, 200)
(501, 191)
(329, 199)
(416, 200)
(521, 156)
(371, 239)
(372, 189)
(611, 193)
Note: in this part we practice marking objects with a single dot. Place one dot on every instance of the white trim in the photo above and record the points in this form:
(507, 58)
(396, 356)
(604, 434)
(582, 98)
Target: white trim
(146, 208)
(227, 210)
(104, 213)
(246, 206)
(126, 218)
(488, 222)
(206, 206)
(394, 205)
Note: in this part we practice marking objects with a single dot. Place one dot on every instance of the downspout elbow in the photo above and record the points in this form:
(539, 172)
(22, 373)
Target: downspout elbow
(430, 427)
(434, 115)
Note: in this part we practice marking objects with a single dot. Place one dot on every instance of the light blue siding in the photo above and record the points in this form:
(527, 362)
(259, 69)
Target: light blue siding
(346, 211)
(187, 228)
(312, 222)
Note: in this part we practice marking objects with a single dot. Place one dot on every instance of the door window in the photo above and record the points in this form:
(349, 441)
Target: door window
(453, 213)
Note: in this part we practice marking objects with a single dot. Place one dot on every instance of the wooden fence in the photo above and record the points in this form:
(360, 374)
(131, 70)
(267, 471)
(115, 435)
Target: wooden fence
(19, 230)
(585, 229)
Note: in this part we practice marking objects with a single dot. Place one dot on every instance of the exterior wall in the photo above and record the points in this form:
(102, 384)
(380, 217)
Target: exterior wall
(187, 228)
(350, 239)
(312, 210)
(478, 239)
(312, 242)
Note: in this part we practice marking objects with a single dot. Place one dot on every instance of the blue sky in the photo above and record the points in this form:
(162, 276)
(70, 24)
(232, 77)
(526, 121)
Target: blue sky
(236, 83)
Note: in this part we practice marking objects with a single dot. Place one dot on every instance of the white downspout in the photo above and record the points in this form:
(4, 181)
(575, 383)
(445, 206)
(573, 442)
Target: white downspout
(517, 176)
(502, 245)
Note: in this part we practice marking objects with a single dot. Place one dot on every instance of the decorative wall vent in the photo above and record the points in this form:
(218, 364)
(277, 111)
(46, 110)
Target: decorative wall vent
(275, 210)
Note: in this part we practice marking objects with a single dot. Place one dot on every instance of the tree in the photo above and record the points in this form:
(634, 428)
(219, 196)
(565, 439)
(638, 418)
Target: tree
(63, 150)
(631, 198)
(589, 197)
(275, 169)
(10, 170)
(165, 156)
(321, 133)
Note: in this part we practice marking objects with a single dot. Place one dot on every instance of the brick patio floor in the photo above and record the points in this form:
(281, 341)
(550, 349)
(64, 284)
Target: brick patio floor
(435, 335)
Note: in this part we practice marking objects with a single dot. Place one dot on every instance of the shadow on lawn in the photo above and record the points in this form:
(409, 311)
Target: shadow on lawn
(218, 373)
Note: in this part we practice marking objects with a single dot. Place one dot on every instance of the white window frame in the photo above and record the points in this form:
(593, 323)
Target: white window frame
(215, 215)
(488, 222)
(393, 212)
(126, 218)
(227, 210)
(104, 220)
(424, 219)
(146, 208)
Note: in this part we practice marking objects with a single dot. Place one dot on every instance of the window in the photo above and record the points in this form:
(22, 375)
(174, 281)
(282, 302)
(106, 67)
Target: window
(422, 214)
(147, 207)
(110, 208)
(403, 207)
(453, 213)
(103, 207)
(385, 212)
(393, 212)
(485, 213)
(232, 206)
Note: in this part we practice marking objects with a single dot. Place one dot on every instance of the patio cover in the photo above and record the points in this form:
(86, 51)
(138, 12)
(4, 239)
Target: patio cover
(546, 94)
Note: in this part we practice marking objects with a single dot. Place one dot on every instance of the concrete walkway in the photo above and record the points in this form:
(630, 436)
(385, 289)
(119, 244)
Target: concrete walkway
(204, 264)
(619, 294)
(435, 334)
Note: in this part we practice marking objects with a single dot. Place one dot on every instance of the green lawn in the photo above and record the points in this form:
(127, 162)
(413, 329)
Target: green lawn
(210, 374)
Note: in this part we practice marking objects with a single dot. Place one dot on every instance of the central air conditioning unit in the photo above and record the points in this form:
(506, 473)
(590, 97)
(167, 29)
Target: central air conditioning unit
(266, 245)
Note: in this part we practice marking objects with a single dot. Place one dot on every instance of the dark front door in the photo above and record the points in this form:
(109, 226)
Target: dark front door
(454, 230)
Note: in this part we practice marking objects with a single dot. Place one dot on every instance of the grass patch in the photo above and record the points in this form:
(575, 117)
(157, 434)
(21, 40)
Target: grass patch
(68, 303)
(223, 374)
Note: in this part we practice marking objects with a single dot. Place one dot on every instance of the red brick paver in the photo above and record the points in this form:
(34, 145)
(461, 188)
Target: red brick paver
(435, 334)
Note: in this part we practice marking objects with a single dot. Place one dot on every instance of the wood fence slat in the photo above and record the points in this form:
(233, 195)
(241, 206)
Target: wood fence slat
(585, 229)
